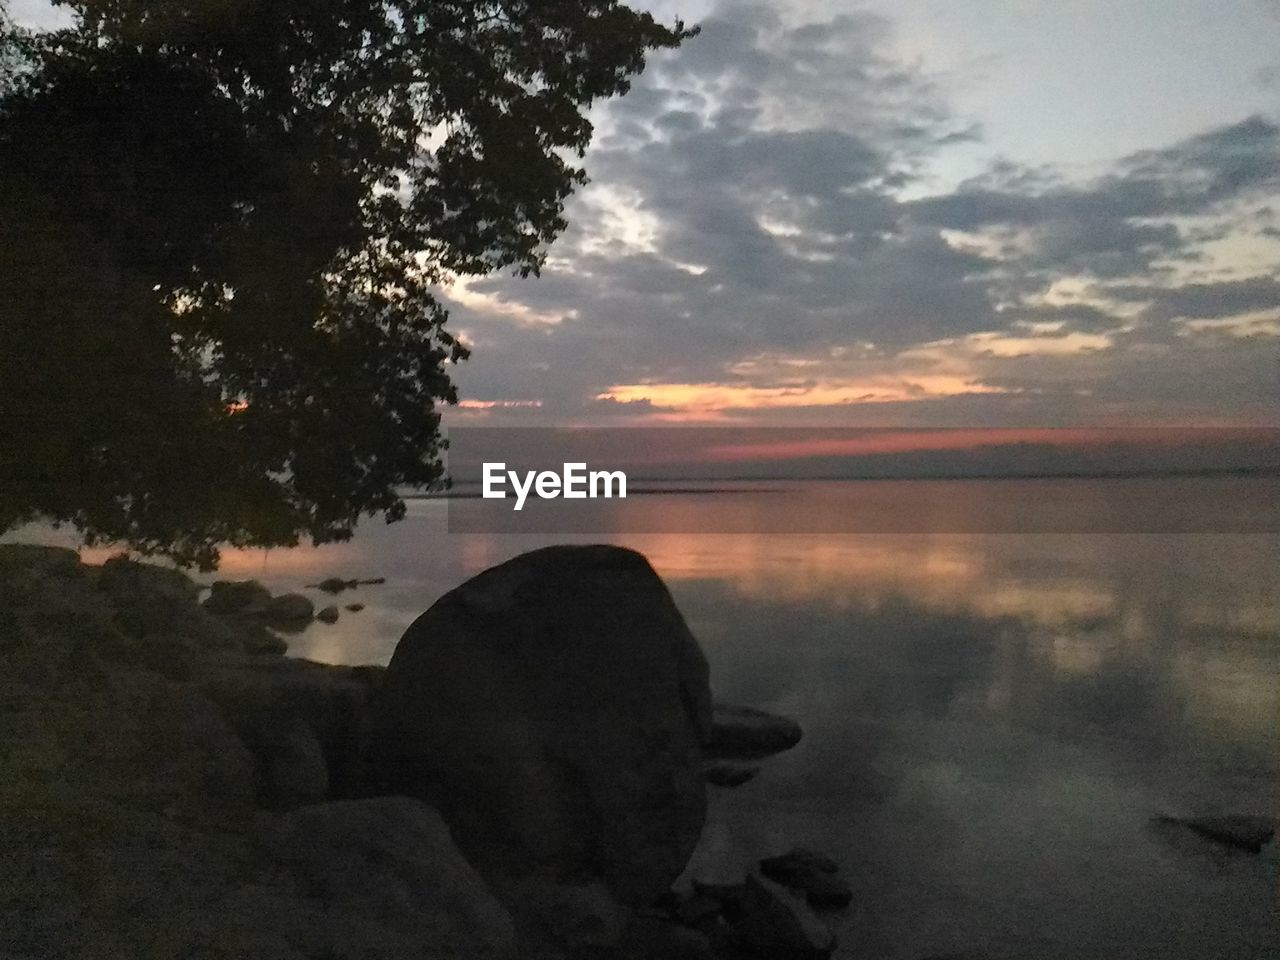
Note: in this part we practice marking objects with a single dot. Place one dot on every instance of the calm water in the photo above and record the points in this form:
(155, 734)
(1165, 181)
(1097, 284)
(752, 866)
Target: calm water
(991, 720)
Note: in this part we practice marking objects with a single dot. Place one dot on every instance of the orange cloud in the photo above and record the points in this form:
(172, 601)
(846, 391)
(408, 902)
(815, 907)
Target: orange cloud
(712, 398)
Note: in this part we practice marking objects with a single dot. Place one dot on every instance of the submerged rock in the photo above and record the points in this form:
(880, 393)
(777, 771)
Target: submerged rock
(553, 708)
(728, 774)
(798, 862)
(1243, 832)
(744, 732)
(337, 584)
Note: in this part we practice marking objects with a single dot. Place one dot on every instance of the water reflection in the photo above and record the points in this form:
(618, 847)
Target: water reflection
(991, 720)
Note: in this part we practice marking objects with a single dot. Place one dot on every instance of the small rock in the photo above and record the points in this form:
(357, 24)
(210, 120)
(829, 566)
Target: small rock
(328, 615)
(333, 584)
(237, 596)
(1243, 832)
(812, 874)
(825, 890)
(779, 925)
(747, 733)
(289, 608)
(337, 584)
(354, 607)
(728, 774)
(797, 863)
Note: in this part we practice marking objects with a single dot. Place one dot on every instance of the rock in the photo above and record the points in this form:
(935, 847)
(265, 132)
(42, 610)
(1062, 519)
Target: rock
(392, 879)
(1243, 832)
(92, 728)
(289, 609)
(552, 707)
(292, 764)
(778, 925)
(816, 876)
(264, 643)
(328, 615)
(354, 607)
(743, 732)
(263, 698)
(246, 597)
(334, 584)
(696, 909)
(824, 890)
(728, 774)
(552, 917)
(728, 895)
(337, 584)
(797, 862)
(37, 562)
(648, 938)
(130, 792)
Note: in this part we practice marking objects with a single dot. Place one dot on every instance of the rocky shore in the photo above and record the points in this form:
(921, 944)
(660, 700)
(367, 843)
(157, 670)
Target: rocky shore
(527, 778)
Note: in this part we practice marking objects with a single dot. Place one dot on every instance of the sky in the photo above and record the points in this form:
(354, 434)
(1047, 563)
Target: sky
(914, 213)
(991, 213)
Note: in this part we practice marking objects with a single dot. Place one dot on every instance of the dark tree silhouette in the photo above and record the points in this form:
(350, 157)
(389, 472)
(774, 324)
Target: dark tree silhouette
(221, 222)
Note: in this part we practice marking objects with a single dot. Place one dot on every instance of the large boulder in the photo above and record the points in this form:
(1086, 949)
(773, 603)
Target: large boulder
(553, 709)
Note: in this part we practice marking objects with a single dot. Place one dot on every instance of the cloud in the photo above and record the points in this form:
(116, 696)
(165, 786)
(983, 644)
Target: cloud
(757, 241)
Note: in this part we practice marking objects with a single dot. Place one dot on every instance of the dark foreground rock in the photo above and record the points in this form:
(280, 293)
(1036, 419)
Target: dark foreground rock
(813, 875)
(151, 772)
(237, 596)
(552, 708)
(777, 925)
(389, 867)
(746, 733)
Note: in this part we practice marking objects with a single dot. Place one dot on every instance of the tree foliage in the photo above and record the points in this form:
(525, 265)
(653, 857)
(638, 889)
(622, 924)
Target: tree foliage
(221, 225)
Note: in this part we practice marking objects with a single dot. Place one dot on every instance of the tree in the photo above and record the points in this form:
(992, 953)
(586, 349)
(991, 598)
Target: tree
(221, 225)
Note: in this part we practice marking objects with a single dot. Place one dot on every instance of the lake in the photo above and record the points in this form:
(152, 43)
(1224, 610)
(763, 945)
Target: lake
(991, 719)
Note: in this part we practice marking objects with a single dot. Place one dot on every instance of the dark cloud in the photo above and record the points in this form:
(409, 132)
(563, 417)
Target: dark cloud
(1207, 300)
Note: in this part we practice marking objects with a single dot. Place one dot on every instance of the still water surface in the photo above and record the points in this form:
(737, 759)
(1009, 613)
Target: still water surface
(991, 719)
